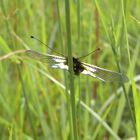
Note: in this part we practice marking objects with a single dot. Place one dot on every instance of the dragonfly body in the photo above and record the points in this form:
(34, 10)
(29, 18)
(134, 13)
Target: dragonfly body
(78, 67)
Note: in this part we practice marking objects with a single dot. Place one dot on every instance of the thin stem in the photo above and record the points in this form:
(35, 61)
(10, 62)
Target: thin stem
(71, 75)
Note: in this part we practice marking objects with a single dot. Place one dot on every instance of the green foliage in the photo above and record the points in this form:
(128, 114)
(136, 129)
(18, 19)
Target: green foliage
(34, 99)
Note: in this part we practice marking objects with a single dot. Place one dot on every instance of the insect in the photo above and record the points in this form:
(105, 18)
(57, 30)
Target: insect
(79, 67)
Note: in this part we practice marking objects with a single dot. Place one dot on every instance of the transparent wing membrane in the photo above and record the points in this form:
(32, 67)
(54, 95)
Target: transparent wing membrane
(104, 74)
(45, 58)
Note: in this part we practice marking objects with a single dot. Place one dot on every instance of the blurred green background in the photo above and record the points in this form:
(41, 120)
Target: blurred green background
(34, 102)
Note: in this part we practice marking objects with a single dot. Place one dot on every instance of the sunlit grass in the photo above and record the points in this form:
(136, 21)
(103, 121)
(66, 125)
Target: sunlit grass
(35, 99)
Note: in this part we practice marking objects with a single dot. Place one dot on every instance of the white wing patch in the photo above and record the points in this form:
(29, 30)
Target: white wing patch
(58, 60)
(60, 66)
(87, 72)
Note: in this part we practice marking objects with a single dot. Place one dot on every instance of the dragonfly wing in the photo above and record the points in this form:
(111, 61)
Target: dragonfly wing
(53, 60)
(103, 74)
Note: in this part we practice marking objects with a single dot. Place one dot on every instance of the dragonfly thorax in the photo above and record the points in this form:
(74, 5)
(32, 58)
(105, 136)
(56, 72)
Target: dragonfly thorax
(77, 66)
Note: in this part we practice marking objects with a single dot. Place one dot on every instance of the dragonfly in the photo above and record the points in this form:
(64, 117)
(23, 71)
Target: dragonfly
(59, 62)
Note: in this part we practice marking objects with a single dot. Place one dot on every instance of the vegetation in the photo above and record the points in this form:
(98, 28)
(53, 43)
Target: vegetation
(38, 102)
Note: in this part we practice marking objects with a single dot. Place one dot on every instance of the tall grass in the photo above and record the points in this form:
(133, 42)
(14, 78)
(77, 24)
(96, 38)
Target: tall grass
(38, 102)
(71, 75)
